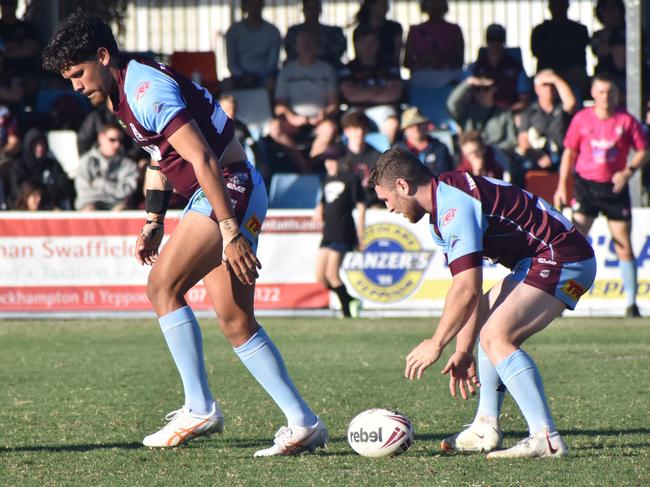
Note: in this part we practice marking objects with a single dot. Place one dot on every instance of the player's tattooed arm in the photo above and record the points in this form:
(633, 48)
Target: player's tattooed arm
(190, 144)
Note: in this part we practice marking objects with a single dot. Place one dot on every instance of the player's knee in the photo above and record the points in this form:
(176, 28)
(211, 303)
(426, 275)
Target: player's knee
(158, 290)
(236, 328)
(490, 340)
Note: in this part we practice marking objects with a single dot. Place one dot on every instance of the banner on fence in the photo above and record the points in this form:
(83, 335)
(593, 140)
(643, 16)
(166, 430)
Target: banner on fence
(83, 262)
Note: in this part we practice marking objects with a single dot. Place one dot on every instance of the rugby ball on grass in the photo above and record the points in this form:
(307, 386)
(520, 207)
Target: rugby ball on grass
(379, 433)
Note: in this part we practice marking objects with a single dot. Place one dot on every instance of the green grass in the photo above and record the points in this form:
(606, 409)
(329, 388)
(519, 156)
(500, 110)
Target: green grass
(76, 398)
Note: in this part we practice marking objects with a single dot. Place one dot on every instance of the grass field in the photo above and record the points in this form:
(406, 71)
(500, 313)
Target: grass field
(76, 398)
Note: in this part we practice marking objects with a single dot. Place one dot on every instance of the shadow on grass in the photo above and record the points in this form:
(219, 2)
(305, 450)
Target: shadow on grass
(342, 440)
(70, 448)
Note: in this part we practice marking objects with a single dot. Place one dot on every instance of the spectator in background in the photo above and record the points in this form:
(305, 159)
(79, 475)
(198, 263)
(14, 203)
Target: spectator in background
(560, 44)
(23, 47)
(477, 158)
(306, 102)
(472, 106)
(417, 139)
(106, 179)
(29, 197)
(359, 156)
(332, 42)
(253, 50)
(614, 65)
(341, 194)
(512, 84)
(435, 44)
(372, 15)
(545, 122)
(368, 84)
(611, 15)
(596, 149)
(91, 125)
(39, 166)
(9, 148)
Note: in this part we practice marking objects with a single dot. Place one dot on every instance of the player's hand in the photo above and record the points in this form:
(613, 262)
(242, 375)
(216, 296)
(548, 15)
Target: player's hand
(620, 179)
(240, 258)
(420, 358)
(461, 368)
(146, 247)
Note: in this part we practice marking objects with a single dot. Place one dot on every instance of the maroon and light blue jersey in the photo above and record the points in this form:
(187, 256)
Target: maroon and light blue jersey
(153, 101)
(479, 217)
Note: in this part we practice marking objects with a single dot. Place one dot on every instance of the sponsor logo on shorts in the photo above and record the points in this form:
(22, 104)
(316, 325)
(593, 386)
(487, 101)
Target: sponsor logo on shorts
(235, 187)
(573, 289)
(448, 217)
(141, 90)
(542, 260)
(253, 225)
(392, 265)
(545, 273)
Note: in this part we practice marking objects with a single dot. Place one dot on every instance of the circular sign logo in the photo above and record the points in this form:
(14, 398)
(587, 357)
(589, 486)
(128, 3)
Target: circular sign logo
(391, 266)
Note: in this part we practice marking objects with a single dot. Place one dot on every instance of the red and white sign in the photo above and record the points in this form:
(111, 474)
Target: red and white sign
(83, 262)
(69, 262)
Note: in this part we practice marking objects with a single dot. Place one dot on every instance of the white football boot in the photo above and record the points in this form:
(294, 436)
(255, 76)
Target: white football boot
(184, 426)
(294, 440)
(482, 435)
(542, 444)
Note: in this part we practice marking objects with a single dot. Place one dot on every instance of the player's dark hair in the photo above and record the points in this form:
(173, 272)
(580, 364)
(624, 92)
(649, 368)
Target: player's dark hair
(398, 163)
(77, 40)
(600, 6)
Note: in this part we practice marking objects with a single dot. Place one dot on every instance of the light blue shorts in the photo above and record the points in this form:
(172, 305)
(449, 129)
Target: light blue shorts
(567, 281)
(247, 195)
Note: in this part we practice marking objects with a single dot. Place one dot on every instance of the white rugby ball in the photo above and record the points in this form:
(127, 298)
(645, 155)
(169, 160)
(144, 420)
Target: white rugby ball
(380, 432)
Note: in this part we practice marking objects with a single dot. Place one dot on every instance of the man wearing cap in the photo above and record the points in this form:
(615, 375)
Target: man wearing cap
(510, 79)
(430, 151)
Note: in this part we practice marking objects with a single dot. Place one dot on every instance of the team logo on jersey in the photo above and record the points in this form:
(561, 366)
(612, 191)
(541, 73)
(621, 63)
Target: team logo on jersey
(391, 267)
(254, 226)
(142, 89)
(447, 217)
(573, 289)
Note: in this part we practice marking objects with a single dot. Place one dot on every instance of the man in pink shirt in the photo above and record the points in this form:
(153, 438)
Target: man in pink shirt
(597, 144)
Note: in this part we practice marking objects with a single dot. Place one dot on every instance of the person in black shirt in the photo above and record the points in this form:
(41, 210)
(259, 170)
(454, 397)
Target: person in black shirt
(38, 165)
(341, 194)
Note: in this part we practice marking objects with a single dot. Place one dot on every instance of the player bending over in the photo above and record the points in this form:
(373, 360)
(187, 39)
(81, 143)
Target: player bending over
(552, 264)
(193, 149)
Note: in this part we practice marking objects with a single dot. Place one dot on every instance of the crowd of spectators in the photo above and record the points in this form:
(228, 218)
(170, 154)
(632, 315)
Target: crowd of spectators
(502, 123)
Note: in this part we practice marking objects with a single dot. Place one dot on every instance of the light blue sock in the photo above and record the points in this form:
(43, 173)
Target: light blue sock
(520, 375)
(628, 270)
(263, 360)
(492, 390)
(183, 336)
